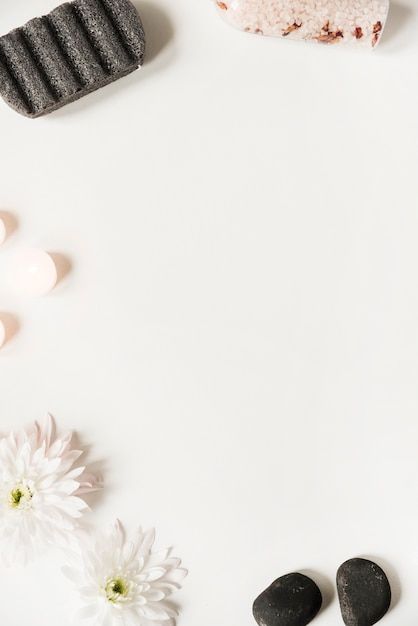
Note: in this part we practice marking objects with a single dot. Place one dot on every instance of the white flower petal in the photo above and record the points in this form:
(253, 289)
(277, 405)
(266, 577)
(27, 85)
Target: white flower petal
(176, 576)
(153, 574)
(154, 595)
(126, 591)
(37, 475)
(156, 612)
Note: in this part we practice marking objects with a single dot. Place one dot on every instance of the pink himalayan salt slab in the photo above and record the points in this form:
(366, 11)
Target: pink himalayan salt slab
(359, 22)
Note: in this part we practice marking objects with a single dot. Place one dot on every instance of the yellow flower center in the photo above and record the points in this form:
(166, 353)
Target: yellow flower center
(116, 589)
(20, 497)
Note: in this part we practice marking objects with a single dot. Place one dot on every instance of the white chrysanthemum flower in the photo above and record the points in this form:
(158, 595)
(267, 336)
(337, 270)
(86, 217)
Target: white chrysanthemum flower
(125, 583)
(39, 491)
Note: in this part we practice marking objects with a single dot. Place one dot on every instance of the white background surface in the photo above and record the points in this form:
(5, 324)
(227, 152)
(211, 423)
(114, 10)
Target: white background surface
(238, 338)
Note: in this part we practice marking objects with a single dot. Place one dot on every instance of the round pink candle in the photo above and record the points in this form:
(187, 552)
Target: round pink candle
(2, 334)
(3, 231)
(33, 272)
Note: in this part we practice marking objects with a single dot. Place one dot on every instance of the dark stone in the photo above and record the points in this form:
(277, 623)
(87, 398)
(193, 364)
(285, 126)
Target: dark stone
(364, 592)
(78, 48)
(292, 600)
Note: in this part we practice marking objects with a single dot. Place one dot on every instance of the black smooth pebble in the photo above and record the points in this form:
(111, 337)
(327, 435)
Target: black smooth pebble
(292, 600)
(364, 592)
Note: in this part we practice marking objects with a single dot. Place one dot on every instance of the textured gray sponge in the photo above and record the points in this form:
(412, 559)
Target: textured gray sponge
(78, 48)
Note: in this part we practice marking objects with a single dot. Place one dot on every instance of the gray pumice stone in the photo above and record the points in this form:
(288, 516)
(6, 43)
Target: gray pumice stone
(77, 48)
(364, 592)
(292, 600)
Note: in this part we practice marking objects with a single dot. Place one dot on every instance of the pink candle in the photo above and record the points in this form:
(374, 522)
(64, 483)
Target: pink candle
(2, 334)
(33, 272)
(3, 231)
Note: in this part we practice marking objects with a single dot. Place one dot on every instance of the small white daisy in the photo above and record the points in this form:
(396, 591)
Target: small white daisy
(125, 583)
(39, 491)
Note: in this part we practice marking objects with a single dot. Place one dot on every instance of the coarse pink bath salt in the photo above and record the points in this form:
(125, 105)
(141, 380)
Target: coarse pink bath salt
(359, 22)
